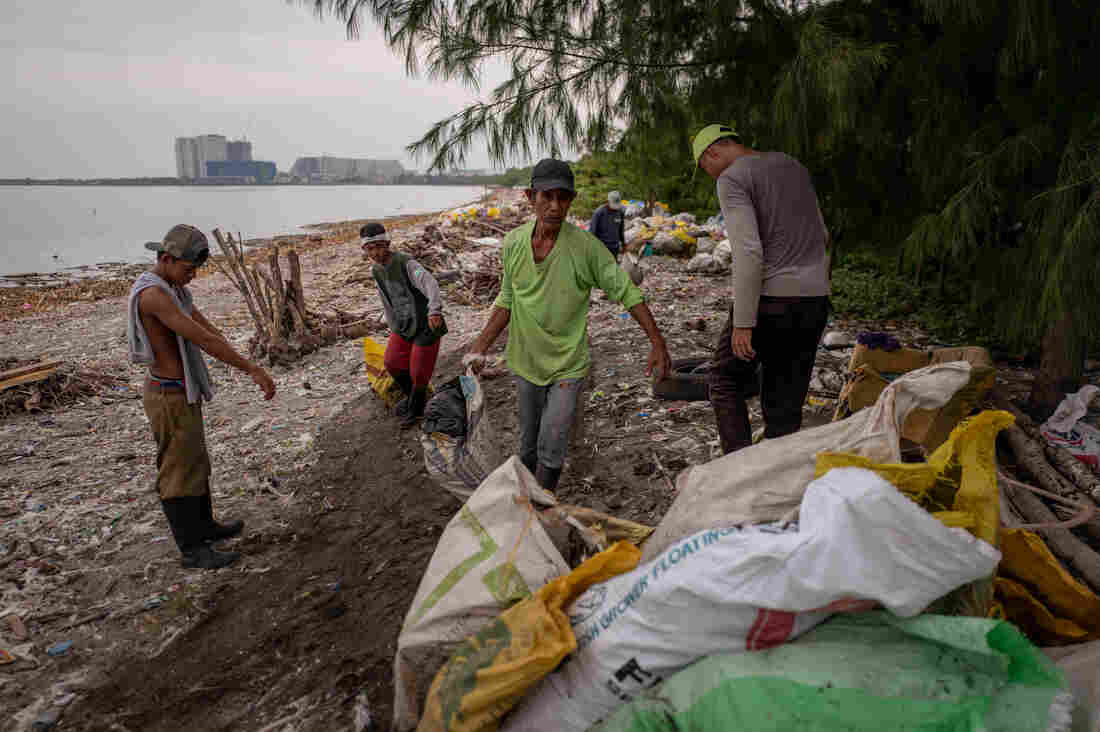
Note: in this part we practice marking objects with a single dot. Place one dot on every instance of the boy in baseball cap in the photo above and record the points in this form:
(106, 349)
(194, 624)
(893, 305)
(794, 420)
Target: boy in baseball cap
(183, 242)
(167, 333)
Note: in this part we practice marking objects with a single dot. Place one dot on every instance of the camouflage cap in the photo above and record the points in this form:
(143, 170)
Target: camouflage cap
(182, 242)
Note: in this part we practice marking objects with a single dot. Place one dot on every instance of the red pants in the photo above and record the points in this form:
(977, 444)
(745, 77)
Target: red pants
(418, 360)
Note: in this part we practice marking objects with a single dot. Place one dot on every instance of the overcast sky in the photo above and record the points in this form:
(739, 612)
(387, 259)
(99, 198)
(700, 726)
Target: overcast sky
(103, 88)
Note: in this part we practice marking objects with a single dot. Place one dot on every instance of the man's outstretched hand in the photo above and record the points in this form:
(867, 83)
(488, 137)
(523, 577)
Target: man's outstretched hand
(741, 344)
(660, 363)
(263, 380)
(474, 361)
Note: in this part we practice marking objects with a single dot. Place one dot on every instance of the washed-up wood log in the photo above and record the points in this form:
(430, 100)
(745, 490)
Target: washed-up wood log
(1030, 456)
(1077, 556)
(286, 330)
(1061, 459)
(27, 374)
(46, 385)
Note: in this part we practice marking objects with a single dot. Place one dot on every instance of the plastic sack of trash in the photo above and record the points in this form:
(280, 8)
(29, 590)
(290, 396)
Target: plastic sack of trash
(745, 589)
(1065, 428)
(446, 411)
(492, 554)
(765, 482)
(865, 673)
(460, 464)
(491, 671)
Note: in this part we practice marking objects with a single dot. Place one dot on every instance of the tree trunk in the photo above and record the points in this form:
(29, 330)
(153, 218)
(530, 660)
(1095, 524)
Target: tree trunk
(1059, 367)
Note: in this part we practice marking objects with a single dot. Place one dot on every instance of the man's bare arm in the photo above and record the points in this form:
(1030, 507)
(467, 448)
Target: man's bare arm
(157, 303)
(202, 320)
(659, 361)
(498, 321)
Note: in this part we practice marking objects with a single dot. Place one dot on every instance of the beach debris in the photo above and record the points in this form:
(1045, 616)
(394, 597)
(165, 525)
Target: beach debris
(60, 648)
(364, 720)
(35, 386)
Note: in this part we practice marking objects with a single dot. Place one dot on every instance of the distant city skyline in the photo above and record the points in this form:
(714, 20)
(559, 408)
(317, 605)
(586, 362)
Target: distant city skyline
(102, 89)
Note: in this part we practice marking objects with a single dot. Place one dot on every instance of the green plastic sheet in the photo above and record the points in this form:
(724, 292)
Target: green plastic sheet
(868, 671)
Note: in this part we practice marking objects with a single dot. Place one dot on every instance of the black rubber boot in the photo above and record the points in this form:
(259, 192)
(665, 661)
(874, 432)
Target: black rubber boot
(417, 400)
(404, 381)
(548, 477)
(205, 556)
(186, 520)
(213, 530)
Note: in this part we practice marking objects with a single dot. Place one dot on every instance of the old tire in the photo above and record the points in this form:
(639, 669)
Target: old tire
(688, 381)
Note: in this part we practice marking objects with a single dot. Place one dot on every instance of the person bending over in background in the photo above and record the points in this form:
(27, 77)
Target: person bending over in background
(780, 284)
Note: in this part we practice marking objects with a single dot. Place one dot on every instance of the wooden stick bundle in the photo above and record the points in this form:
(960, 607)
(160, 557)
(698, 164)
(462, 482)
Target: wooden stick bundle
(285, 329)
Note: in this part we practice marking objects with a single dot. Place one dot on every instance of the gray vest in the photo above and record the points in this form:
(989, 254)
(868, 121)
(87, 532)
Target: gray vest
(408, 305)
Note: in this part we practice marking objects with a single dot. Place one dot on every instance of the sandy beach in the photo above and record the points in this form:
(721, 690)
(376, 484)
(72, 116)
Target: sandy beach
(341, 517)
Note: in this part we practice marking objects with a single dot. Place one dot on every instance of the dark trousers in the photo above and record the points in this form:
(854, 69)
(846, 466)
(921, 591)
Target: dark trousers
(787, 332)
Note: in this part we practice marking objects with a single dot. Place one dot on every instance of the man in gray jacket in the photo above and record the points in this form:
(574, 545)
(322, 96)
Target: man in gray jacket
(780, 284)
(607, 224)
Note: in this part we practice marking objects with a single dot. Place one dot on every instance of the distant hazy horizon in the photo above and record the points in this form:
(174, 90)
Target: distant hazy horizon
(52, 228)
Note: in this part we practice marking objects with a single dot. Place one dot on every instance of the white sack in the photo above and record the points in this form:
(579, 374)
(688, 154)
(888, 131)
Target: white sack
(765, 482)
(493, 552)
(729, 590)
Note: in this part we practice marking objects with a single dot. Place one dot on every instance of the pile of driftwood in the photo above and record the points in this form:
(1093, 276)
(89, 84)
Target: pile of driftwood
(1066, 513)
(286, 329)
(442, 250)
(20, 302)
(482, 285)
(35, 386)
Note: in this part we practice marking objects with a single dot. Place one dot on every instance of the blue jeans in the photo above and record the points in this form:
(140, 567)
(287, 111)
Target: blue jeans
(545, 416)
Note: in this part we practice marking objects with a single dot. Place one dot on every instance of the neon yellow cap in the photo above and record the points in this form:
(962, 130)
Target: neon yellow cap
(707, 137)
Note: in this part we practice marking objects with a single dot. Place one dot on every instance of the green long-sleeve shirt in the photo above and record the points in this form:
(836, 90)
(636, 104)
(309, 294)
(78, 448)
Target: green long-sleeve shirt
(548, 300)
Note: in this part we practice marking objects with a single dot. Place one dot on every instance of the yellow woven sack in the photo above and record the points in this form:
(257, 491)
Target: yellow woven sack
(490, 672)
(1028, 571)
(374, 356)
(1026, 612)
(958, 484)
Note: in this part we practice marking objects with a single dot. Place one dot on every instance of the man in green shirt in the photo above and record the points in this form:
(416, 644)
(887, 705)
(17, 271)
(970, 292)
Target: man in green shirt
(549, 267)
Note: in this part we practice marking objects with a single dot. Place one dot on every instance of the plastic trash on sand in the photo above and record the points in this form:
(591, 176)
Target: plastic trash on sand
(1066, 429)
(865, 673)
(746, 589)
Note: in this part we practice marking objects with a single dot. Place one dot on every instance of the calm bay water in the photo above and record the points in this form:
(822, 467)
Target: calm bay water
(51, 228)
